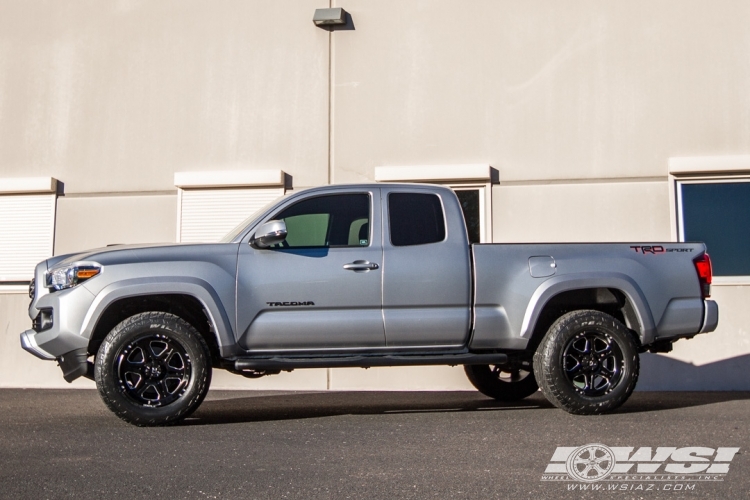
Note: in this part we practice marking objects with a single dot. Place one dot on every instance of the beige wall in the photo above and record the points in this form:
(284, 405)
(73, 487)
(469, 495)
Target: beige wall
(117, 96)
(612, 211)
(540, 89)
(577, 104)
(97, 221)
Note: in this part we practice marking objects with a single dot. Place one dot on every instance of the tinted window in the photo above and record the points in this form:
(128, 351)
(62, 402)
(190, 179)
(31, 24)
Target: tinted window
(415, 219)
(327, 221)
(469, 199)
(718, 214)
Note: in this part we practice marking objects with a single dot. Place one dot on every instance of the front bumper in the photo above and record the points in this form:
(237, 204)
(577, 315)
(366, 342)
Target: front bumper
(73, 364)
(61, 339)
(28, 342)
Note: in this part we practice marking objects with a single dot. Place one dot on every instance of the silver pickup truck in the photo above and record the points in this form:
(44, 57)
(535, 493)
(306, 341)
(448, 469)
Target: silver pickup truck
(363, 276)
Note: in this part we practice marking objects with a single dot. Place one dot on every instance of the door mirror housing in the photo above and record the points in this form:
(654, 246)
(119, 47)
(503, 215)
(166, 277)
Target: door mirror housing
(268, 234)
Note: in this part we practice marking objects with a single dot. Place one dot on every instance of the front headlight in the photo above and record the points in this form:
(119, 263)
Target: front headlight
(60, 278)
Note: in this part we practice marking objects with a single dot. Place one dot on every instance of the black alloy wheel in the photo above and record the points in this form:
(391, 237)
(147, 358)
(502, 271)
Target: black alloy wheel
(153, 368)
(593, 363)
(587, 363)
(503, 382)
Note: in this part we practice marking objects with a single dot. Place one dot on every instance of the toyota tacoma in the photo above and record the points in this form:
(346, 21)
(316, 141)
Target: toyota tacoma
(362, 276)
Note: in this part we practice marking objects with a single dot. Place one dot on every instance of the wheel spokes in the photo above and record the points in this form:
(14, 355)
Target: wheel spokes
(154, 370)
(573, 364)
(175, 363)
(133, 379)
(150, 393)
(136, 356)
(591, 362)
(509, 375)
(582, 345)
(158, 348)
(173, 384)
(606, 348)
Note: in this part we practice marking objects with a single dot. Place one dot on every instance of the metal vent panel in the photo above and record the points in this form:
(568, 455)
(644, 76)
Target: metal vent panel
(206, 215)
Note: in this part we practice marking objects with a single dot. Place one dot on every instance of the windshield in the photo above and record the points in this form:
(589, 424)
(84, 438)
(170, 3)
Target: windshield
(234, 233)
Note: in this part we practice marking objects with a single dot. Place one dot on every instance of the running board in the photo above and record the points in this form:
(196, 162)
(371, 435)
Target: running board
(280, 363)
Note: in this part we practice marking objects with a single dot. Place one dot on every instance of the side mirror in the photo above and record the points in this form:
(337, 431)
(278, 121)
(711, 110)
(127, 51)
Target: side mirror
(270, 233)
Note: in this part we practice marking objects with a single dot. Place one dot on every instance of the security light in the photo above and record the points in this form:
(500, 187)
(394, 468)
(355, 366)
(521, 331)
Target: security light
(329, 17)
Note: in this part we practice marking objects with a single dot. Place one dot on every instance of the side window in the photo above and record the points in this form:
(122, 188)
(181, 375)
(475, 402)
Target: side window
(415, 219)
(341, 220)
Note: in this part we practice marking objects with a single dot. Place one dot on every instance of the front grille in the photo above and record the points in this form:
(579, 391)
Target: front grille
(32, 288)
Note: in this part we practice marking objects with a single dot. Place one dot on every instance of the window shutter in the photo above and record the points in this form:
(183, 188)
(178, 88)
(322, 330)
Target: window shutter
(206, 215)
(27, 228)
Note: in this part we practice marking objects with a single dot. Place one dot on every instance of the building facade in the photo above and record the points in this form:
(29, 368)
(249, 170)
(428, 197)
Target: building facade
(135, 122)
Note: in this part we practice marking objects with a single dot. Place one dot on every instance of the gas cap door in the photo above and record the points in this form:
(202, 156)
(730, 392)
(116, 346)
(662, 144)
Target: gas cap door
(542, 266)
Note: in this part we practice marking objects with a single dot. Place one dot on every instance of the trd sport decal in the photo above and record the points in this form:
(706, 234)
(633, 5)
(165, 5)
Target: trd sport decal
(281, 304)
(654, 249)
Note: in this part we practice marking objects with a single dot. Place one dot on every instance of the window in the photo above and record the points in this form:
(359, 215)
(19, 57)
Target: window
(27, 226)
(471, 182)
(415, 219)
(712, 198)
(471, 205)
(210, 204)
(327, 221)
(718, 214)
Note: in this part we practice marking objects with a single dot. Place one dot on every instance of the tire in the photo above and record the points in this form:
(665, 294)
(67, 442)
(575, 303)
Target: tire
(587, 363)
(153, 369)
(501, 382)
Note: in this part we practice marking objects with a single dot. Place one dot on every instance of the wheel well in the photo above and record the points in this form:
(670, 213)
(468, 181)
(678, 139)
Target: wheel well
(607, 300)
(186, 307)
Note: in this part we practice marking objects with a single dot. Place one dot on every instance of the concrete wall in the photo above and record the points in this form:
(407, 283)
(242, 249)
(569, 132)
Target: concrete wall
(578, 105)
(96, 221)
(117, 96)
(540, 89)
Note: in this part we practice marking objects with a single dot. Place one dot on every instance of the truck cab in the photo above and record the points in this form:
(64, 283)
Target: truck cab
(360, 267)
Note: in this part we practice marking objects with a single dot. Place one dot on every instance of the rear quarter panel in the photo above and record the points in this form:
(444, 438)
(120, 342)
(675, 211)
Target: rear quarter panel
(661, 283)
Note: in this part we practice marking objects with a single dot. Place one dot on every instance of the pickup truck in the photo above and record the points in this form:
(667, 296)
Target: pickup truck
(362, 276)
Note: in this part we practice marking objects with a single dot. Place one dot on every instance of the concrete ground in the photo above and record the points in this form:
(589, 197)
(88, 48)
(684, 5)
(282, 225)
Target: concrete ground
(65, 443)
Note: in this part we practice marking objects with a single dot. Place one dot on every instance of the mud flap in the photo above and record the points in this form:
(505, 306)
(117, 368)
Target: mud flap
(74, 364)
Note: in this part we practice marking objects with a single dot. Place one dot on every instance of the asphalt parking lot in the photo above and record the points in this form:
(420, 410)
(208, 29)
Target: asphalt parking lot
(65, 443)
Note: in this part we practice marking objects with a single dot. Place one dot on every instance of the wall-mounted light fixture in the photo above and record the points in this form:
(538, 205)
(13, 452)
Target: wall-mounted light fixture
(325, 18)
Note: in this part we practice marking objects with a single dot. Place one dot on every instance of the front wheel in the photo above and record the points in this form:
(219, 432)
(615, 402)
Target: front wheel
(587, 363)
(153, 369)
(503, 383)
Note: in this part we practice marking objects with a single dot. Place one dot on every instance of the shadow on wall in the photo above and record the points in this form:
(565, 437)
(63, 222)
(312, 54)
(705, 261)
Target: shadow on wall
(660, 373)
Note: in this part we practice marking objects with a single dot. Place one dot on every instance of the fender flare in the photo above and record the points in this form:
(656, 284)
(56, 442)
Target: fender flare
(197, 288)
(564, 283)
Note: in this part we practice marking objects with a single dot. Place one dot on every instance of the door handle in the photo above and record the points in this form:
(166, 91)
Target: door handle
(360, 265)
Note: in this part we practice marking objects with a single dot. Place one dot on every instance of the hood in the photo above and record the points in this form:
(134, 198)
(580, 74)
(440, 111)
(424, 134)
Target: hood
(154, 252)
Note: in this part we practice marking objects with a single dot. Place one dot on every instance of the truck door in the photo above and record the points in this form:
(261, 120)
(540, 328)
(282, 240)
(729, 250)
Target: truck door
(426, 268)
(321, 288)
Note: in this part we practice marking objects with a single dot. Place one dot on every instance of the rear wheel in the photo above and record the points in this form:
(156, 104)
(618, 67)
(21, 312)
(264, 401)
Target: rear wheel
(504, 383)
(587, 363)
(153, 369)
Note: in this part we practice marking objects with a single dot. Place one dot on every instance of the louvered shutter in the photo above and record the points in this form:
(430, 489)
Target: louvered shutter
(206, 215)
(27, 228)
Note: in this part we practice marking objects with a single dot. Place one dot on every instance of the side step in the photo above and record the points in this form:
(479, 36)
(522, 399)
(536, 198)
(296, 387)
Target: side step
(280, 363)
